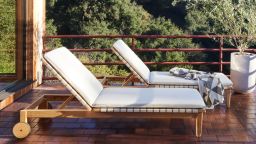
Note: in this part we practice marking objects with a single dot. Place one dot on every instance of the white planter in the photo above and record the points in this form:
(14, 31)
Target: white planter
(243, 72)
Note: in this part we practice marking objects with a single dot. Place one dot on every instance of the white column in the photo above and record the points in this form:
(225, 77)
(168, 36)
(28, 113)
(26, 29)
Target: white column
(39, 24)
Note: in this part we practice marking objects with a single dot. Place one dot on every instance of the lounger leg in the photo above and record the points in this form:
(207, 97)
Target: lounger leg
(23, 116)
(128, 79)
(22, 129)
(228, 93)
(43, 105)
(199, 124)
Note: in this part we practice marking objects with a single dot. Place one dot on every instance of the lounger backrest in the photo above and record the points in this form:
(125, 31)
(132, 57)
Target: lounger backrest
(74, 73)
(134, 63)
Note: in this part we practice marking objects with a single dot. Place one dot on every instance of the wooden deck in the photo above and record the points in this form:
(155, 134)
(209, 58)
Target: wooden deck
(237, 125)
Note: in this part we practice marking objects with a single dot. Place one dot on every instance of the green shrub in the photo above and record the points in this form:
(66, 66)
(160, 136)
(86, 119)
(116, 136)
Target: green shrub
(111, 17)
(7, 36)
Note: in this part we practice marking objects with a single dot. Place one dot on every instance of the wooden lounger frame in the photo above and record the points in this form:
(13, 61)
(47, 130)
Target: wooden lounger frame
(41, 109)
(131, 77)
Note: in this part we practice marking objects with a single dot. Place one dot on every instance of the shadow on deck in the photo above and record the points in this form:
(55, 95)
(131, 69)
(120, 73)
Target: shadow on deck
(236, 125)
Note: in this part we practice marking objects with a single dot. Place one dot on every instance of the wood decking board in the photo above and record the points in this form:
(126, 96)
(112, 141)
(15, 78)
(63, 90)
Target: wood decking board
(236, 125)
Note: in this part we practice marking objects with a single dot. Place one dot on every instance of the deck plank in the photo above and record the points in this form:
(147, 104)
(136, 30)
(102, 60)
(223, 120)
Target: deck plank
(236, 125)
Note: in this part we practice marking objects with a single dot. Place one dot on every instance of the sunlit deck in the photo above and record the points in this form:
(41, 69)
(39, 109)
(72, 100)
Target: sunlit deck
(220, 125)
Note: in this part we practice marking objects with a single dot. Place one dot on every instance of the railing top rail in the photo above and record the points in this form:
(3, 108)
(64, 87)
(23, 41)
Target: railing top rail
(220, 49)
(143, 36)
(159, 50)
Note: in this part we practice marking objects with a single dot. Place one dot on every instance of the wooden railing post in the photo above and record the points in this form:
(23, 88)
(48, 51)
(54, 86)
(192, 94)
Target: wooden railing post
(221, 54)
(133, 43)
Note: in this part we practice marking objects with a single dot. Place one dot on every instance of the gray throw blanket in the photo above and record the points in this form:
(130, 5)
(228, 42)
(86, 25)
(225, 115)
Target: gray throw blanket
(210, 86)
(186, 73)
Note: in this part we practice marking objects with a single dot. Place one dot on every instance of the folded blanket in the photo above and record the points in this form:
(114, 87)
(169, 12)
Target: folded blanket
(211, 89)
(210, 86)
(186, 73)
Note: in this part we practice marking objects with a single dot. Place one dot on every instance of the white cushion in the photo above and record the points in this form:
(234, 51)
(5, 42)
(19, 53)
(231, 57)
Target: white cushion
(75, 73)
(158, 77)
(132, 59)
(149, 98)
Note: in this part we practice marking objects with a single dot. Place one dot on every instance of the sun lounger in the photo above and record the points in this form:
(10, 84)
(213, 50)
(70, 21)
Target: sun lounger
(160, 78)
(111, 102)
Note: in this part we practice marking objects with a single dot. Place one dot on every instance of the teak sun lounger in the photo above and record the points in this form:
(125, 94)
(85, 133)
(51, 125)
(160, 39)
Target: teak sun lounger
(160, 78)
(111, 102)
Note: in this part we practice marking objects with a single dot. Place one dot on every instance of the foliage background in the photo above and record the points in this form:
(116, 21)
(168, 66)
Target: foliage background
(116, 17)
(7, 36)
(127, 17)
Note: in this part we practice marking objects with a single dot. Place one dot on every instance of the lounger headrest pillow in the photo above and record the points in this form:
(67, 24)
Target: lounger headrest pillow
(132, 59)
(75, 73)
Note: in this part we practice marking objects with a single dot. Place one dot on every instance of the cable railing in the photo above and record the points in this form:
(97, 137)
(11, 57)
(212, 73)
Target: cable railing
(220, 49)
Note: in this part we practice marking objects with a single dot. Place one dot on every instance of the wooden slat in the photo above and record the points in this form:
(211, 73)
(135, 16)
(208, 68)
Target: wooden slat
(82, 113)
(58, 97)
(104, 80)
(36, 103)
(129, 78)
(66, 102)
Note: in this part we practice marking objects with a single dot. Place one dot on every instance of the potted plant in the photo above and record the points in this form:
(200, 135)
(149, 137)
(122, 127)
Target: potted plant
(228, 17)
(243, 67)
(239, 19)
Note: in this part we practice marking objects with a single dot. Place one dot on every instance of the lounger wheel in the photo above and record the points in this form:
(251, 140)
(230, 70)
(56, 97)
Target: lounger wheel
(21, 130)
